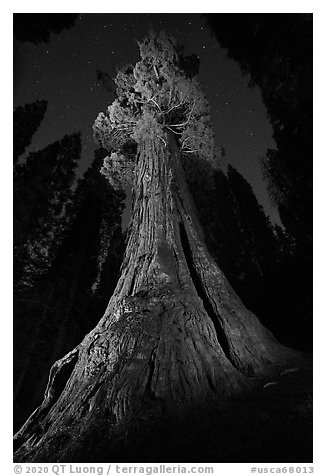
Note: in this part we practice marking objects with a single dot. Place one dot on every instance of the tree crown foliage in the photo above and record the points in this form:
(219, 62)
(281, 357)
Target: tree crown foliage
(159, 95)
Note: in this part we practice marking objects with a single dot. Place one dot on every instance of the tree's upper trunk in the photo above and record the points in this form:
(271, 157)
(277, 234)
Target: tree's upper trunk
(174, 332)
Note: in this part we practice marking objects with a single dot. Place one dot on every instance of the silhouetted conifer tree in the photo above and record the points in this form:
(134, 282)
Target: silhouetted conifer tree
(26, 122)
(255, 230)
(37, 27)
(42, 193)
(276, 51)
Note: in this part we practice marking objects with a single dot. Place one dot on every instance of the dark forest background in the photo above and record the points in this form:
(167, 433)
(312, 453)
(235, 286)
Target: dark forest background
(68, 238)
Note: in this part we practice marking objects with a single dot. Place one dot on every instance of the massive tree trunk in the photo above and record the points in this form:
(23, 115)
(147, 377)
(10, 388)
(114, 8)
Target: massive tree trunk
(174, 334)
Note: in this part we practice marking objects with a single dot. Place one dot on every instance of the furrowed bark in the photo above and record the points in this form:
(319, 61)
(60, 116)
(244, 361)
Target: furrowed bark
(173, 336)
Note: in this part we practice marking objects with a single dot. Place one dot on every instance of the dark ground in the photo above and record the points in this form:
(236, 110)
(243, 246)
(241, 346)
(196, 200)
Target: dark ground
(272, 424)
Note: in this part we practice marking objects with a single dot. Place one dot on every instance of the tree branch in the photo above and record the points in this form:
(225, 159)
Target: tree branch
(174, 107)
(174, 132)
(151, 99)
(156, 72)
(162, 140)
(189, 117)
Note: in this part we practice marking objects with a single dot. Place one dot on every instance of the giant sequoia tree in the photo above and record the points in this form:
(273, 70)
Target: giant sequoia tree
(174, 333)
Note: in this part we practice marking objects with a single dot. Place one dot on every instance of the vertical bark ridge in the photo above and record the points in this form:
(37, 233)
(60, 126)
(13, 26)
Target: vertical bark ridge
(201, 293)
(174, 331)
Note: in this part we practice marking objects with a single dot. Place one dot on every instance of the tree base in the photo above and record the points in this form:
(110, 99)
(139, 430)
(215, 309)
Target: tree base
(217, 431)
(158, 361)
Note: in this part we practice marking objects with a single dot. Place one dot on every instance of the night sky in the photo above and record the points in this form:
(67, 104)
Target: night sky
(63, 72)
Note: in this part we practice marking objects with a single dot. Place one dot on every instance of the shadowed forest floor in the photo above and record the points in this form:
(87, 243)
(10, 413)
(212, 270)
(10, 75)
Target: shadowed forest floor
(274, 424)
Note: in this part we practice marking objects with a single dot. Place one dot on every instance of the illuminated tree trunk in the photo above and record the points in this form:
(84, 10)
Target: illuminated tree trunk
(174, 333)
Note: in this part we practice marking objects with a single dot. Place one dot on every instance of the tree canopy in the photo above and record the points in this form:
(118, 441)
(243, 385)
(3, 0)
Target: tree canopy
(160, 94)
